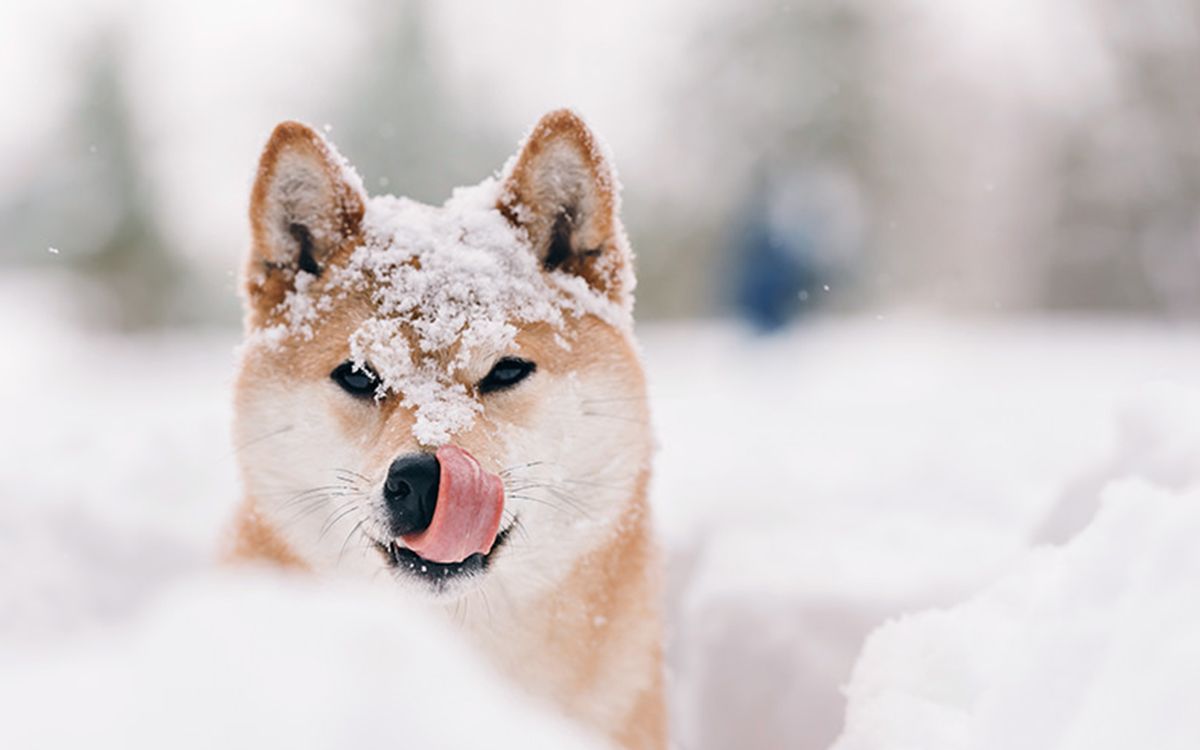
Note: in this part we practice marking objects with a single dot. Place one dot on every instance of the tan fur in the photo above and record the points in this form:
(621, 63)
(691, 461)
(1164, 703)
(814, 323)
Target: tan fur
(266, 277)
(594, 238)
(587, 638)
(604, 614)
(253, 540)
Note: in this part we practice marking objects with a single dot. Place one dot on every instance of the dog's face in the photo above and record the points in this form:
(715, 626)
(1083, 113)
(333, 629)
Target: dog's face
(448, 396)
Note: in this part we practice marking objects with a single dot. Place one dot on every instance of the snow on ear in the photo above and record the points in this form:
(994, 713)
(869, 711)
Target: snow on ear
(307, 205)
(562, 190)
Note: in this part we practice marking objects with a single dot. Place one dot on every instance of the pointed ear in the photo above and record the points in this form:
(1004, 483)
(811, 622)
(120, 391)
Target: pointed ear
(307, 205)
(562, 190)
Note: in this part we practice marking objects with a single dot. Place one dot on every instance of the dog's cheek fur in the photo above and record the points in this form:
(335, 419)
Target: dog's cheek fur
(582, 424)
(298, 467)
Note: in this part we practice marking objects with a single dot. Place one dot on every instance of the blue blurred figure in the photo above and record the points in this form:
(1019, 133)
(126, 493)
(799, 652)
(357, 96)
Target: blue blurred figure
(771, 273)
(797, 236)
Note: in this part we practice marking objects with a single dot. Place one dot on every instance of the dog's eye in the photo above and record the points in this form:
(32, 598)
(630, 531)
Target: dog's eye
(506, 373)
(360, 382)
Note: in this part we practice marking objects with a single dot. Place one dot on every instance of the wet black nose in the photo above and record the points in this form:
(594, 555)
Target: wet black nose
(411, 492)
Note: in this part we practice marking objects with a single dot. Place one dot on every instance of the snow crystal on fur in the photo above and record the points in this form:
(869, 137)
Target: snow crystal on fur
(449, 284)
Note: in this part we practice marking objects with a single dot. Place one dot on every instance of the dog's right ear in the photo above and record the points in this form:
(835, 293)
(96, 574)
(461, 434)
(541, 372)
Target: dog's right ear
(306, 208)
(562, 191)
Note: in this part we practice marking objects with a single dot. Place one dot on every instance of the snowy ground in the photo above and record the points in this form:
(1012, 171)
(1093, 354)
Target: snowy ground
(809, 488)
(1092, 645)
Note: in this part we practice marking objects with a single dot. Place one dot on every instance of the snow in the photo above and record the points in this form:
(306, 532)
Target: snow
(267, 662)
(809, 488)
(1092, 645)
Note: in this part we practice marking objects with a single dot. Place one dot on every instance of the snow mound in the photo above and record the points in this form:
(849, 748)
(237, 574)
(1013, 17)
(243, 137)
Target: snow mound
(268, 662)
(1093, 645)
(1157, 431)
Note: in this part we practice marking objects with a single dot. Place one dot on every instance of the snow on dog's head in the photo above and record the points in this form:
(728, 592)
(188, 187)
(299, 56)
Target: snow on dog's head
(394, 348)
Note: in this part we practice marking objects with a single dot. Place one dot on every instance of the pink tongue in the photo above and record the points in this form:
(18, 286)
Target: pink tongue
(467, 515)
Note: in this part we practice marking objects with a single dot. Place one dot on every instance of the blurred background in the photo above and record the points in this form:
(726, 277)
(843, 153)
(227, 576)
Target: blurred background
(952, 155)
(917, 280)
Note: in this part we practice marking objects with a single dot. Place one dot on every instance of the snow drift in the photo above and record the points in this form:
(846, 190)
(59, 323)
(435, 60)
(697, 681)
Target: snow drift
(260, 662)
(1092, 646)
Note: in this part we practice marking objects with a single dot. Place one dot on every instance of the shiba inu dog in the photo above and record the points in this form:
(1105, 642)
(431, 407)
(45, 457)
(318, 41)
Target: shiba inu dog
(448, 400)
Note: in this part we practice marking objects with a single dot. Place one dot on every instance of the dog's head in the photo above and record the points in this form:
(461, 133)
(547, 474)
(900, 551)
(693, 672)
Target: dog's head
(450, 394)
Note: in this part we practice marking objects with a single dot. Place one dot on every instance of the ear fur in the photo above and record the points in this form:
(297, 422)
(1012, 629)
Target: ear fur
(306, 206)
(562, 190)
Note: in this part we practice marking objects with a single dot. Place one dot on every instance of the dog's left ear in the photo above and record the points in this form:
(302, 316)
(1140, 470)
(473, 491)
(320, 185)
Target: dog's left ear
(562, 190)
(306, 208)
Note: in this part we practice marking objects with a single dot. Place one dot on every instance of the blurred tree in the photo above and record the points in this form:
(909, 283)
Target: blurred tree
(1128, 224)
(90, 200)
(400, 128)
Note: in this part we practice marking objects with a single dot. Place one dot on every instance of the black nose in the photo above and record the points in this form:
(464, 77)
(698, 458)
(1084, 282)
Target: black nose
(411, 492)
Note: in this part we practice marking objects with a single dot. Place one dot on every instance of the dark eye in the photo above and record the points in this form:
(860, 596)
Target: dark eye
(360, 382)
(506, 373)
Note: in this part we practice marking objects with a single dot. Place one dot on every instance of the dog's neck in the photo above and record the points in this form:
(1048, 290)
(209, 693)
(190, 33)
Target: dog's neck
(585, 641)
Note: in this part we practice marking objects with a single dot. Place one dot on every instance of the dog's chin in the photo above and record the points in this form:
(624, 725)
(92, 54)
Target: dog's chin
(441, 580)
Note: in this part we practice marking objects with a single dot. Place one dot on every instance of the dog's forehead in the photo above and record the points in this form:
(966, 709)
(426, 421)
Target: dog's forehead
(458, 277)
(438, 290)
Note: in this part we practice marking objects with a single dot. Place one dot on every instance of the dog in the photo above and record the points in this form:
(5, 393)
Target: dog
(449, 401)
